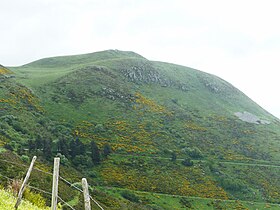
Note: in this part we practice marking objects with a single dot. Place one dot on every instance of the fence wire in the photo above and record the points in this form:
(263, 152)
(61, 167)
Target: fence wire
(46, 192)
(42, 191)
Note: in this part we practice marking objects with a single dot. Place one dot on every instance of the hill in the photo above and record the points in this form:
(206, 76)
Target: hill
(131, 123)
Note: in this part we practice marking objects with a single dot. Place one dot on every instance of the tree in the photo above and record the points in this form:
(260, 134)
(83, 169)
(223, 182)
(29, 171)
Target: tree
(82, 161)
(47, 149)
(80, 147)
(63, 147)
(38, 142)
(77, 148)
(63, 159)
(31, 145)
(95, 154)
(173, 156)
(73, 151)
(107, 150)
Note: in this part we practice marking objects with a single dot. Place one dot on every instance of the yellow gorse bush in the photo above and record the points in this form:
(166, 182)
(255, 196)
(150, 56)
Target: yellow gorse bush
(7, 202)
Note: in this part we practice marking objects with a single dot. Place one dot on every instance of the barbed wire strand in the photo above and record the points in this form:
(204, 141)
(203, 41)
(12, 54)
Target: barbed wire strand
(72, 185)
(18, 164)
(49, 193)
(67, 204)
(40, 190)
(23, 165)
(96, 202)
(43, 191)
(45, 172)
(6, 177)
(63, 179)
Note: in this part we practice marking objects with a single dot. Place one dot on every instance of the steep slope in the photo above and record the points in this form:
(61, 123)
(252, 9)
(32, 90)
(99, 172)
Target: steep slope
(143, 113)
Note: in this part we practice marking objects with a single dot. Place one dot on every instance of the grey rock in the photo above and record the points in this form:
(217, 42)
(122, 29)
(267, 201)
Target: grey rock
(251, 118)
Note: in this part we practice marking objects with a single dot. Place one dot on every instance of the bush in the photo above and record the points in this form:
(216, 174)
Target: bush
(173, 157)
(99, 128)
(213, 167)
(130, 196)
(82, 161)
(12, 146)
(34, 198)
(92, 174)
(186, 202)
(187, 162)
(194, 152)
(25, 158)
(63, 159)
(234, 185)
(107, 150)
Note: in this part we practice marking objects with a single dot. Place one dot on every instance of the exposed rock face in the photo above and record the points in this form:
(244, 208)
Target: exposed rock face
(145, 72)
(115, 94)
(217, 86)
(250, 118)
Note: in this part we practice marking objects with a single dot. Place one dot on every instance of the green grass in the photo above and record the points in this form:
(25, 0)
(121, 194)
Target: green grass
(7, 202)
(35, 77)
(165, 201)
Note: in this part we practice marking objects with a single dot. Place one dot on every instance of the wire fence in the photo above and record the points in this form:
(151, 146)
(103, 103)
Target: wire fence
(72, 185)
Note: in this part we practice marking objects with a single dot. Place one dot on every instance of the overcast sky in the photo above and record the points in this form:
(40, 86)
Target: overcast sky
(237, 40)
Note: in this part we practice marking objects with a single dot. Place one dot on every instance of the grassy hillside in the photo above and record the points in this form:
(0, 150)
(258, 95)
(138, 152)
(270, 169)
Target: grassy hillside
(158, 128)
(7, 202)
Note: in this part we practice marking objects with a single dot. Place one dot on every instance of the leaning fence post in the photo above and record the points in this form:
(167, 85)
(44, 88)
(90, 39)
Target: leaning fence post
(55, 183)
(22, 188)
(86, 194)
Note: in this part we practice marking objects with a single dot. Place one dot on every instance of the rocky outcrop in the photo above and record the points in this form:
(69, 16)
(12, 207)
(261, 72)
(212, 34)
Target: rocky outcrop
(250, 118)
(113, 94)
(217, 85)
(145, 72)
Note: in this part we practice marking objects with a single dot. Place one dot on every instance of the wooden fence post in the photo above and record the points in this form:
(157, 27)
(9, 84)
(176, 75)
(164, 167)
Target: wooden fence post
(86, 194)
(22, 188)
(55, 183)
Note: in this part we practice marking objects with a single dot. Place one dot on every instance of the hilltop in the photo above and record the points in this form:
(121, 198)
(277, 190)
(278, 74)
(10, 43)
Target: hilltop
(143, 126)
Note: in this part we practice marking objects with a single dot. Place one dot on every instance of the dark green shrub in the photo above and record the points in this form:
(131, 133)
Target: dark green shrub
(187, 162)
(186, 202)
(107, 150)
(234, 185)
(82, 161)
(194, 152)
(25, 158)
(213, 167)
(173, 157)
(130, 196)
